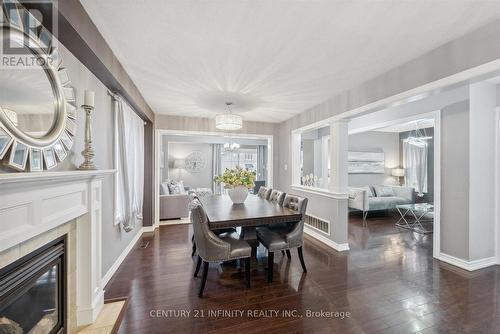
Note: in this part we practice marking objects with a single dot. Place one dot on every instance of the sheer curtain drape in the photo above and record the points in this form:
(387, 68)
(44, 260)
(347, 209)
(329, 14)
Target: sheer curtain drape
(415, 164)
(262, 162)
(216, 167)
(129, 163)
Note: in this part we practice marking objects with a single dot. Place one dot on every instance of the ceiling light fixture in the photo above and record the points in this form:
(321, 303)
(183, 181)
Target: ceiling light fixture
(228, 121)
(231, 147)
(418, 137)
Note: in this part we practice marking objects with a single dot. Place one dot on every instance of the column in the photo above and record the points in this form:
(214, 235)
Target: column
(90, 293)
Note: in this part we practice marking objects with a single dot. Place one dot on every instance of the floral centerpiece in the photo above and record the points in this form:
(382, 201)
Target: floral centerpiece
(237, 181)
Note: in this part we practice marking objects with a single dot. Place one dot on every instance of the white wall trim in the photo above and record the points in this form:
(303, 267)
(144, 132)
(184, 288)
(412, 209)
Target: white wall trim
(385, 124)
(497, 184)
(325, 240)
(436, 238)
(320, 192)
(149, 228)
(158, 143)
(175, 222)
(112, 270)
(468, 265)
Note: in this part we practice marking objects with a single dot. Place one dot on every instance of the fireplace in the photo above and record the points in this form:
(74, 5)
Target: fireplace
(32, 291)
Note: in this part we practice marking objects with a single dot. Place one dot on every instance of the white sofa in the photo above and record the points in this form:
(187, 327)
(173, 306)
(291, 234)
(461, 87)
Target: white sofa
(172, 206)
(374, 198)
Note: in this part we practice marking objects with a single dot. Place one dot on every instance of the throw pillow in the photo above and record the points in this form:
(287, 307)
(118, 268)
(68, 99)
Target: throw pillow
(384, 191)
(175, 187)
(368, 190)
(164, 188)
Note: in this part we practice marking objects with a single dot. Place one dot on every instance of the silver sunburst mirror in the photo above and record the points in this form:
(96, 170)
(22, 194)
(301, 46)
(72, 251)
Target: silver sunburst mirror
(37, 104)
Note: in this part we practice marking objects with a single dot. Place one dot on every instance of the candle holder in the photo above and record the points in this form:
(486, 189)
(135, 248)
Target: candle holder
(88, 151)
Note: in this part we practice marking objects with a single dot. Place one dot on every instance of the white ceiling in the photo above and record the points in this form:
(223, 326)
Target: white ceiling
(275, 58)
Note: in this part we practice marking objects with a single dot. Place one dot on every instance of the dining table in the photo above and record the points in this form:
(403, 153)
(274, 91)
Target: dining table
(222, 213)
(255, 211)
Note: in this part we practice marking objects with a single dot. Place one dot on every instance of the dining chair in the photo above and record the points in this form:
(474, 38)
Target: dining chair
(194, 201)
(286, 238)
(213, 248)
(264, 192)
(277, 196)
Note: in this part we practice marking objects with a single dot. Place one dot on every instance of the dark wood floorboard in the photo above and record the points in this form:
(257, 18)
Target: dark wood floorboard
(388, 282)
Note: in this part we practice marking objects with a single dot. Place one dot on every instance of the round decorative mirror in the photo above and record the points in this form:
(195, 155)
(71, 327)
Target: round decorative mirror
(37, 111)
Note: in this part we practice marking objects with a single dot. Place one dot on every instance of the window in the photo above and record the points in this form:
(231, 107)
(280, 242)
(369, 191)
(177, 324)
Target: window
(315, 157)
(244, 158)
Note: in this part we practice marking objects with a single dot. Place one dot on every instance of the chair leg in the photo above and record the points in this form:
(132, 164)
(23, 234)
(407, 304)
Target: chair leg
(247, 271)
(203, 279)
(301, 257)
(283, 252)
(288, 254)
(270, 266)
(365, 214)
(192, 238)
(194, 249)
(198, 265)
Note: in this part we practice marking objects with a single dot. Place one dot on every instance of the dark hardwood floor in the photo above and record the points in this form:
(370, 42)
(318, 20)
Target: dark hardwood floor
(388, 282)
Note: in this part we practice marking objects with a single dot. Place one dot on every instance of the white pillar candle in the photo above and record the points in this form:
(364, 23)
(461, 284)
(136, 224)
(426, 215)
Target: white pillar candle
(89, 98)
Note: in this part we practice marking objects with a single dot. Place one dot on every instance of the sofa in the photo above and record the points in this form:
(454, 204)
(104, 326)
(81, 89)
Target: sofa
(381, 197)
(173, 206)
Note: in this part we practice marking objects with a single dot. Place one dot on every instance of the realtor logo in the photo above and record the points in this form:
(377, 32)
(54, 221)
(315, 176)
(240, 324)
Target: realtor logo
(27, 28)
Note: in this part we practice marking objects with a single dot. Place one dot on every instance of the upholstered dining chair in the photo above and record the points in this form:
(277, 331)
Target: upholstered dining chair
(264, 192)
(277, 196)
(194, 201)
(286, 238)
(213, 248)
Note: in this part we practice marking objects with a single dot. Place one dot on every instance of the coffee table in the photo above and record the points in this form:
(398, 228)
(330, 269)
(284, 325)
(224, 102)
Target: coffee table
(413, 215)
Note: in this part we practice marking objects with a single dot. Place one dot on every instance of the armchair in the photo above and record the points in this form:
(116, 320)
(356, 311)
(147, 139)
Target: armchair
(285, 238)
(213, 248)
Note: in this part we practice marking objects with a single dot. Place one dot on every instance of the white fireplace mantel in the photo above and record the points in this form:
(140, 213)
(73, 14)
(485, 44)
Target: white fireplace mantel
(34, 203)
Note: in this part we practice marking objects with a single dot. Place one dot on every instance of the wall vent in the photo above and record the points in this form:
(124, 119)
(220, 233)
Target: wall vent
(318, 223)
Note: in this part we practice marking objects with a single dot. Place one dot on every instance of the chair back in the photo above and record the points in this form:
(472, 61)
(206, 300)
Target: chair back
(209, 246)
(296, 203)
(277, 197)
(194, 201)
(258, 184)
(264, 192)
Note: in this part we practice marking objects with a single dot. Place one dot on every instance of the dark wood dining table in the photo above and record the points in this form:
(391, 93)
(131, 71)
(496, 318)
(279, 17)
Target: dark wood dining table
(255, 211)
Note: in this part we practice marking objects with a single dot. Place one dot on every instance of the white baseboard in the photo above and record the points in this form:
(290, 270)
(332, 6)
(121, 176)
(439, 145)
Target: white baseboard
(111, 271)
(326, 241)
(148, 229)
(175, 221)
(468, 265)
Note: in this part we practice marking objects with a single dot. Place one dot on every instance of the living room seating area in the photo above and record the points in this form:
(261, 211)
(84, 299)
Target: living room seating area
(379, 197)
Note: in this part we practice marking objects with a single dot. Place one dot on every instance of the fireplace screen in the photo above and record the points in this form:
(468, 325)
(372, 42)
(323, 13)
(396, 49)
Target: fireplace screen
(31, 292)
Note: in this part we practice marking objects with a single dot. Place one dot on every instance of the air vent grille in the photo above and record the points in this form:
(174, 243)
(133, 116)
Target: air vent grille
(318, 223)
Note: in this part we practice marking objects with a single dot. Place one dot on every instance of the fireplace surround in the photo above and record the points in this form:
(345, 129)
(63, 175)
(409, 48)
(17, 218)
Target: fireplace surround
(33, 291)
(38, 208)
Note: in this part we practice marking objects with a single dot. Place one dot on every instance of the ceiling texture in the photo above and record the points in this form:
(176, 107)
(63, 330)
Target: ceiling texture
(273, 59)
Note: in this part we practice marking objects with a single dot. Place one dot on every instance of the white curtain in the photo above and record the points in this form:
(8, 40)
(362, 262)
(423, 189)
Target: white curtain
(261, 163)
(216, 167)
(415, 164)
(129, 163)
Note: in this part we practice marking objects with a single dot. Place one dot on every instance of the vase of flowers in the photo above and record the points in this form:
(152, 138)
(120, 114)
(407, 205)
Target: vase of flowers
(237, 181)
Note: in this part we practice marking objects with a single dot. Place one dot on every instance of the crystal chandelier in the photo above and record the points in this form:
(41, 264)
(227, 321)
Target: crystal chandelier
(418, 137)
(231, 147)
(228, 121)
